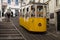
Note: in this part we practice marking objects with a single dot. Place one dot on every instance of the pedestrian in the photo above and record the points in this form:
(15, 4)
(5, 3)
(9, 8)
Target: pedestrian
(11, 14)
(8, 15)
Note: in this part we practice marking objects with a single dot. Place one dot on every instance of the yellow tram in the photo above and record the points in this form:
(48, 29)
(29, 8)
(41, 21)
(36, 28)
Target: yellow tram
(33, 17)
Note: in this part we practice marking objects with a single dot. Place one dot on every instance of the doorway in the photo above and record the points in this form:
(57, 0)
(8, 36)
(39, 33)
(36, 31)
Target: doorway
(16, 12)
(58, 21)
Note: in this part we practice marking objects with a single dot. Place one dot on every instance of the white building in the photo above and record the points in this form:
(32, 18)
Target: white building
(51, 4)
(57, 8)
(57, 14)
(53, 11)
(13, 4)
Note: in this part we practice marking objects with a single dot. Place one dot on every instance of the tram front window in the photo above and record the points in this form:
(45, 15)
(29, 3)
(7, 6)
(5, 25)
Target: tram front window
(39, 11)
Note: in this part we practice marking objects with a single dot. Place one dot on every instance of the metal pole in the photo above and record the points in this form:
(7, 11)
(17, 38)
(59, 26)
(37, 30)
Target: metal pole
(21, 7)
(1, 7)
(21, 3)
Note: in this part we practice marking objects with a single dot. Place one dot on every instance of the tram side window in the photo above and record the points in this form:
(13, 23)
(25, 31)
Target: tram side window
(23, 12)
(20, 12)
(32, 12)
(27, 9)
(27, 12)
(51, 15)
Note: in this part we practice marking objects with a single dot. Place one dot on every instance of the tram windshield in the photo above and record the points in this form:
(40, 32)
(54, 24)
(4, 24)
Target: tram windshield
(39, 11)
(34, 10)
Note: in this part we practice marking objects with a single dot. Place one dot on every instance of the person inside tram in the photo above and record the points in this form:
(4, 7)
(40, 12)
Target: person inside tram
(32, 13)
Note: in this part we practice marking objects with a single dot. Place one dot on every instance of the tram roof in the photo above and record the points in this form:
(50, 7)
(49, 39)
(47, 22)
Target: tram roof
(39, 4)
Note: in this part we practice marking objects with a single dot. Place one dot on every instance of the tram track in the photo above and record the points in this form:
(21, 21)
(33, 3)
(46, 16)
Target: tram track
(45, 37)
(32, 36)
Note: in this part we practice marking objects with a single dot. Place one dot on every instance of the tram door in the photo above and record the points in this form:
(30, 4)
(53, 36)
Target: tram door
(58, 21)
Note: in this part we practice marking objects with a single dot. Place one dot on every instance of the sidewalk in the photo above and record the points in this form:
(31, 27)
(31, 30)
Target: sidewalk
(52, 29)
(9, 32)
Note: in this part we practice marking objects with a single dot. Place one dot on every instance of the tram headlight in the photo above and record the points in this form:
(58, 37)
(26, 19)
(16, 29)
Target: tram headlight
(39, 24)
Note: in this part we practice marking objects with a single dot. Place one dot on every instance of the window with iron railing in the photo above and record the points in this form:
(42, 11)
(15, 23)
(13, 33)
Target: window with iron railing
(16, 2)
(51, 15)
(57, 2)
(9, 1)
(32, 1)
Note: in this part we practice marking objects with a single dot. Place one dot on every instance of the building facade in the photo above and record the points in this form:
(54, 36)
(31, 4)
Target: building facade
(54, 12)
(57, 15)
(53, 9)
(51, 5)
(14, 5)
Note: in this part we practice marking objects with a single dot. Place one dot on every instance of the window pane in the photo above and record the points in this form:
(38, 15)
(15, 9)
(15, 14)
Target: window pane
(16, 2)
(51, 15)
(57, 2)
(39, 11)
(9, 1)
